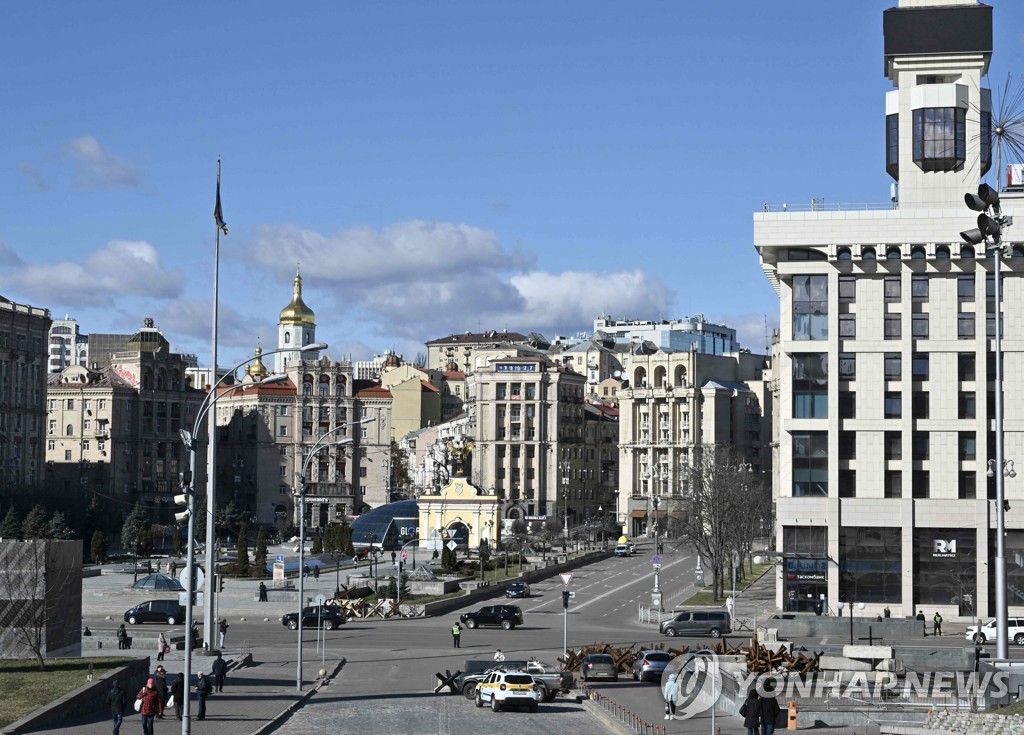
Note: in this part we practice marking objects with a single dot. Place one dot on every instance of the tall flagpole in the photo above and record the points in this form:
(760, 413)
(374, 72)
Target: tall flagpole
(209, 623)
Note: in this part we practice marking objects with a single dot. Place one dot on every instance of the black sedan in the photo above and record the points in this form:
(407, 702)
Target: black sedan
(328, 616)
(517, 589)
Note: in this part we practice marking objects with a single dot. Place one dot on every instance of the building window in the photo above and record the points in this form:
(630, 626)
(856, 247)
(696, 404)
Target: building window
(919, 366)
(919, 446)
(940, 138)
(893, 484)
(965, 363)
(892, 146)
(967, 405)
(810, 464)
(848, 326)
(847, 483)
(965, 326)
(918, 286)
(67, 455)
(847, 288)
(69, 430)
(990, 325)
(810, 307)
(847, 445)
(950, 577)
(810, 386)
(893, 364)
(282, 430)
(919, 326)
(919, 404)
(282, 471)
(968, 449)
(871, 564)
(362, 472)
(893, 405)
(893, 326)
(847, 404)
(967, 487)
(965, 287)
(847, 366)
(283, 411)
(892, 287)
(986, 141)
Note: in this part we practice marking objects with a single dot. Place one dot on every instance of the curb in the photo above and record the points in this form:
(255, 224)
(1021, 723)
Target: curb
(272, 725)
(610, 722)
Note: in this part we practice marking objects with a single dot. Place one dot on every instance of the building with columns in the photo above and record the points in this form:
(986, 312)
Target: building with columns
(886, 365)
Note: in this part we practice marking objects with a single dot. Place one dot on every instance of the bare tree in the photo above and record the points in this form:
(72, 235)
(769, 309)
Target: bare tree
(30, 592)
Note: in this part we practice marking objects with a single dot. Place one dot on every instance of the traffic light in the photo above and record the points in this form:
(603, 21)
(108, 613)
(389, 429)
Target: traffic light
(220, 582)
(565, 599)
(991, 219)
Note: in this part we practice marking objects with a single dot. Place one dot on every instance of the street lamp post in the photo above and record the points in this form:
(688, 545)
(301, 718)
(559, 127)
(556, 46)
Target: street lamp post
(991, 225)
(565, 503)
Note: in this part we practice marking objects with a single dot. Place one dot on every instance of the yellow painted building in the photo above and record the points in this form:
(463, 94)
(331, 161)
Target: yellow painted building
(461, 512)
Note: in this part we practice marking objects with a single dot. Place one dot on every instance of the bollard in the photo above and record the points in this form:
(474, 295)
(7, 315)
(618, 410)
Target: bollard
(791, 705)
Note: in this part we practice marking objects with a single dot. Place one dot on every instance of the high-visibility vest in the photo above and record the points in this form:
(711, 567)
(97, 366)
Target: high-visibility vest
(456, 630)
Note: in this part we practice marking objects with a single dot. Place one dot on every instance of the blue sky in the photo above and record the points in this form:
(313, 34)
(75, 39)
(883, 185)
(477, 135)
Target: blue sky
(434, 167)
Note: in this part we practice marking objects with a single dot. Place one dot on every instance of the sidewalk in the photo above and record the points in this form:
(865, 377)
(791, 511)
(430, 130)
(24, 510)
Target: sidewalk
(255, 699)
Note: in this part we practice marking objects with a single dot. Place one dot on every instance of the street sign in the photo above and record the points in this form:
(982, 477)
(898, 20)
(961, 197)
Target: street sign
(566, 577)
(572, 595)
(279, 558)
(657, 559)
(320, 599)
(657, 567)
(452, 545)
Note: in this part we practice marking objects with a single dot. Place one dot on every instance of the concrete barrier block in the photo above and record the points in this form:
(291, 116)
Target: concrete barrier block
(841, 663)
(867, 652)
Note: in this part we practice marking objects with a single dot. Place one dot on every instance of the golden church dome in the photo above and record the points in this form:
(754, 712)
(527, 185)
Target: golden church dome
(257, 371)
(297, 312)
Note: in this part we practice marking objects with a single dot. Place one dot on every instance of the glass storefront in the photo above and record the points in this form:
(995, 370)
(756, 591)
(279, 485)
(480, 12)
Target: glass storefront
(805, 557)
(1014, 569)
(870, 565)
(945, 567)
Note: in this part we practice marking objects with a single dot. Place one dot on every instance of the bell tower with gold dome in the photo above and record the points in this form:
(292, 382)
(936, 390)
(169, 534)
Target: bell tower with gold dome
(295, 328)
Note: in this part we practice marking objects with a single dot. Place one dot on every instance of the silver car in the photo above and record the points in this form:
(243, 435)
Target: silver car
(599, 666)
(648, 665)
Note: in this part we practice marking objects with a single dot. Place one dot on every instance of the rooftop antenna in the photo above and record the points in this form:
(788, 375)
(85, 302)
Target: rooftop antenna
(767, 344)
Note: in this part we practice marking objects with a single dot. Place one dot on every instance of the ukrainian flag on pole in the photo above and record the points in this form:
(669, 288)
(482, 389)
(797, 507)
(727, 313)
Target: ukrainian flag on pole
(218, 213)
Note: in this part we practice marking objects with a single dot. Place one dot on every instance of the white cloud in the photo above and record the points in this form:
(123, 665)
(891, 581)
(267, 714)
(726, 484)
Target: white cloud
(96, 168)
(121, 268)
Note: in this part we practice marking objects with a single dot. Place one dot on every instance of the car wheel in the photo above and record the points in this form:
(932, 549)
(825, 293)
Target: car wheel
(471, 624)
(543, 691)
(495, 707)
(171, 620)
(479, 701)
(716, 633)
(979, 638)
(292, 625)
(469, 691)
(328, 625)
(1019, 639)
(670, 632)
(506, 624)
(132, 620)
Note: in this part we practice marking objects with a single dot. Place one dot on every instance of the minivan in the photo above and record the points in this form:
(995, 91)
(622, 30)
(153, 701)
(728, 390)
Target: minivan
(697, 622)
(156, 611)
(622, 550)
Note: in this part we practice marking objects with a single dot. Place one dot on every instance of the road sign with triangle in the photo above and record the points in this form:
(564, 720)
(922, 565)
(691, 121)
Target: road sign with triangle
(566, 578)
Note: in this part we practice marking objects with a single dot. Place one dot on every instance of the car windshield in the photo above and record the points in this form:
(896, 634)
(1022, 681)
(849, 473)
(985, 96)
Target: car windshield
(518, 679)
(601, 658)
(655, 656)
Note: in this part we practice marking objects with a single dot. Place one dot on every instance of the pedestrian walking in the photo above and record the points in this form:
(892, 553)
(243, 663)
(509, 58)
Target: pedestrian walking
(223, 629)
(499, 656)
(122, 638)
(886, 612)
(750, 711)
(149, 707)
(195, 633)
(174, 568)
(394, 556)
(924, 623)
(670, 692)
(263, 592)
(178, 695)
(202, 692)
(769, 709)
(118, 701)
(316, 572)
(219, 670)
(456, 635)
(937, 624)
(160, 684)
(161, 647)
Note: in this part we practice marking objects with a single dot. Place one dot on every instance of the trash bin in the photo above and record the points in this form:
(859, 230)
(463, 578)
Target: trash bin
(791, 706)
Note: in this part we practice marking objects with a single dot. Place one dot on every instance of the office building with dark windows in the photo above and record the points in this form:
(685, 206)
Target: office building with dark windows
(885, 434)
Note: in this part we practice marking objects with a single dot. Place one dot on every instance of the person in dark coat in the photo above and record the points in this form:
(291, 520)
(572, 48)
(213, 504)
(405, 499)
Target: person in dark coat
(218, 671)
(150, 706)
(263, 592)
(750, 711)
(118, 701)
(769, 709)
(924, 623)
(122, 637)
(202, 692)
(160, 684)
(178, 693)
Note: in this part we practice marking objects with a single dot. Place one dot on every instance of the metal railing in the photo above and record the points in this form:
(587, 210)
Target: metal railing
(622, 715)
(821, 206)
